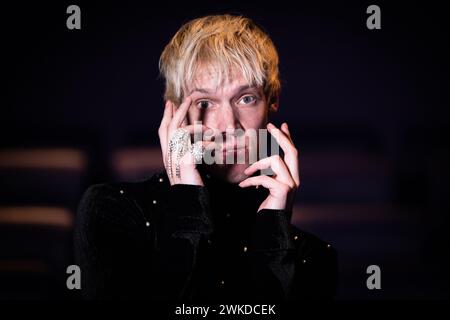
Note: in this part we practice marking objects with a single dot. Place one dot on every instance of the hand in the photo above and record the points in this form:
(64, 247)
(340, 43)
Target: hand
(286, 179)
(172, 120)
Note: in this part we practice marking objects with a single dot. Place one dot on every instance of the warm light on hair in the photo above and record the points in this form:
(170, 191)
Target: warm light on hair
(226, 43)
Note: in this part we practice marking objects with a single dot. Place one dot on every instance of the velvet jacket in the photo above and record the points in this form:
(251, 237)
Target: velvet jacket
(151, 240)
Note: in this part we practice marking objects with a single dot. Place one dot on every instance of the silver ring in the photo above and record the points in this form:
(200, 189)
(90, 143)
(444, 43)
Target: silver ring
(198, 151)
(180, 143)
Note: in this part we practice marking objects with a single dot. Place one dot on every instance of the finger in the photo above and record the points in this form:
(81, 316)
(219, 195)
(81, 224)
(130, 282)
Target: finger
(290, 152)
(293, 158)
(185, 121)
(281, 138)
(285, 129)
(265, 181)
(167, 116)
(207, 132)
(188, 158)
(200, 128)
(162, 131)
(174, 108)
(208, 145)
(277, 165)
(207, 148)
(180, 114)
(195, 128)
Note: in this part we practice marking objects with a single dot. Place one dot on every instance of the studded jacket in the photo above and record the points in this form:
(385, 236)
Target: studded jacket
(151, 240)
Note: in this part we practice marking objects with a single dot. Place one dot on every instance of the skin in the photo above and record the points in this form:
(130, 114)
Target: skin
(226, 108)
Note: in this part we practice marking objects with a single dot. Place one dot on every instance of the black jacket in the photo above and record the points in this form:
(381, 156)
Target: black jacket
(150, 240)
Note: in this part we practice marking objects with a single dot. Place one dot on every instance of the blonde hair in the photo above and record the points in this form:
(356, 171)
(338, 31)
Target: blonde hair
(227, 43)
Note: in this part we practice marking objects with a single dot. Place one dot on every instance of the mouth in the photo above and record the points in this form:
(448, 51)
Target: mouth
(233, 149)
(233, 145)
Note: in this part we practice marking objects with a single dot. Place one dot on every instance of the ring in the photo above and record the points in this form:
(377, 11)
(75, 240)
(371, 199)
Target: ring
(198, 151)
(180, 143)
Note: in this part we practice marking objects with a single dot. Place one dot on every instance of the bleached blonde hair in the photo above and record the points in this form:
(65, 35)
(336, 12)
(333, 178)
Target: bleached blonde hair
(228, 44)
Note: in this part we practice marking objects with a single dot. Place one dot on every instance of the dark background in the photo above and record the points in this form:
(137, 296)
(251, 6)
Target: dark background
(369, 111)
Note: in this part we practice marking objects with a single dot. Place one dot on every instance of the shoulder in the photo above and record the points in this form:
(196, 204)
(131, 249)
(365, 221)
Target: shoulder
(138, 190)
(121, 201)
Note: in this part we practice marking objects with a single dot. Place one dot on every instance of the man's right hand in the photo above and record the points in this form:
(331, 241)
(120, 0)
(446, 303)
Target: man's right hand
(173, 119)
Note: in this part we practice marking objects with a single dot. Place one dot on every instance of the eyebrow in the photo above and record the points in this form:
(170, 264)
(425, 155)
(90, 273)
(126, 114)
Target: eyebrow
(206, 91)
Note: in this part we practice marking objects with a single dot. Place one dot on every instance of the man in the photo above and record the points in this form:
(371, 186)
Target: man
(208, 228)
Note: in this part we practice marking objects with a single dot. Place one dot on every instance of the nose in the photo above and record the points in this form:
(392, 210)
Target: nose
(228, 119)
(230, 126)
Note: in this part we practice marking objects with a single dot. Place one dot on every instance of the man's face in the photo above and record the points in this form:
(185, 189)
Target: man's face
(234, 109)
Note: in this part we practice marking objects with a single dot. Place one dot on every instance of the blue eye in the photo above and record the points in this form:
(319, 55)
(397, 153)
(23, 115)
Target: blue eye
(247, 100)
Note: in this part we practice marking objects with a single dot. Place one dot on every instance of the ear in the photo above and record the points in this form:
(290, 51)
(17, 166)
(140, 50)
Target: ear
(273, 107)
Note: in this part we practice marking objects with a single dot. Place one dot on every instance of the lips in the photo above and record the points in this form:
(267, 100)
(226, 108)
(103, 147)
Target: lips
(233, 144)
(234, 148)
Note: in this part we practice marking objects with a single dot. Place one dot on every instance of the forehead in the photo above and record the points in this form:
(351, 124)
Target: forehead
(212, 80)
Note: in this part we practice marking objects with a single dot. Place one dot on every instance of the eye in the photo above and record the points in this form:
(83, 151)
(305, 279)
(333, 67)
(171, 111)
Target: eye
(247, 100)
(204, 104)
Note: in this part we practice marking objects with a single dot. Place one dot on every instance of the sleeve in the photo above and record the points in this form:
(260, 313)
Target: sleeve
(117, 259)
(316, 269)
(186, 226)
(287, 264)
(270, 246)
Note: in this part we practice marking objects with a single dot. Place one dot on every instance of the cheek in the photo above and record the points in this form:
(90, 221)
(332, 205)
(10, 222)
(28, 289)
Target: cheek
(255, 118)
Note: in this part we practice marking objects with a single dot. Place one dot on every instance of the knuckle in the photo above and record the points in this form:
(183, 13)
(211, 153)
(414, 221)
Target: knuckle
(294, 151)
(276, 157)
(285, 188)
(163, 126)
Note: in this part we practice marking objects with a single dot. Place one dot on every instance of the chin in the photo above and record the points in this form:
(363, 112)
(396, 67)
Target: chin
(232, 173)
